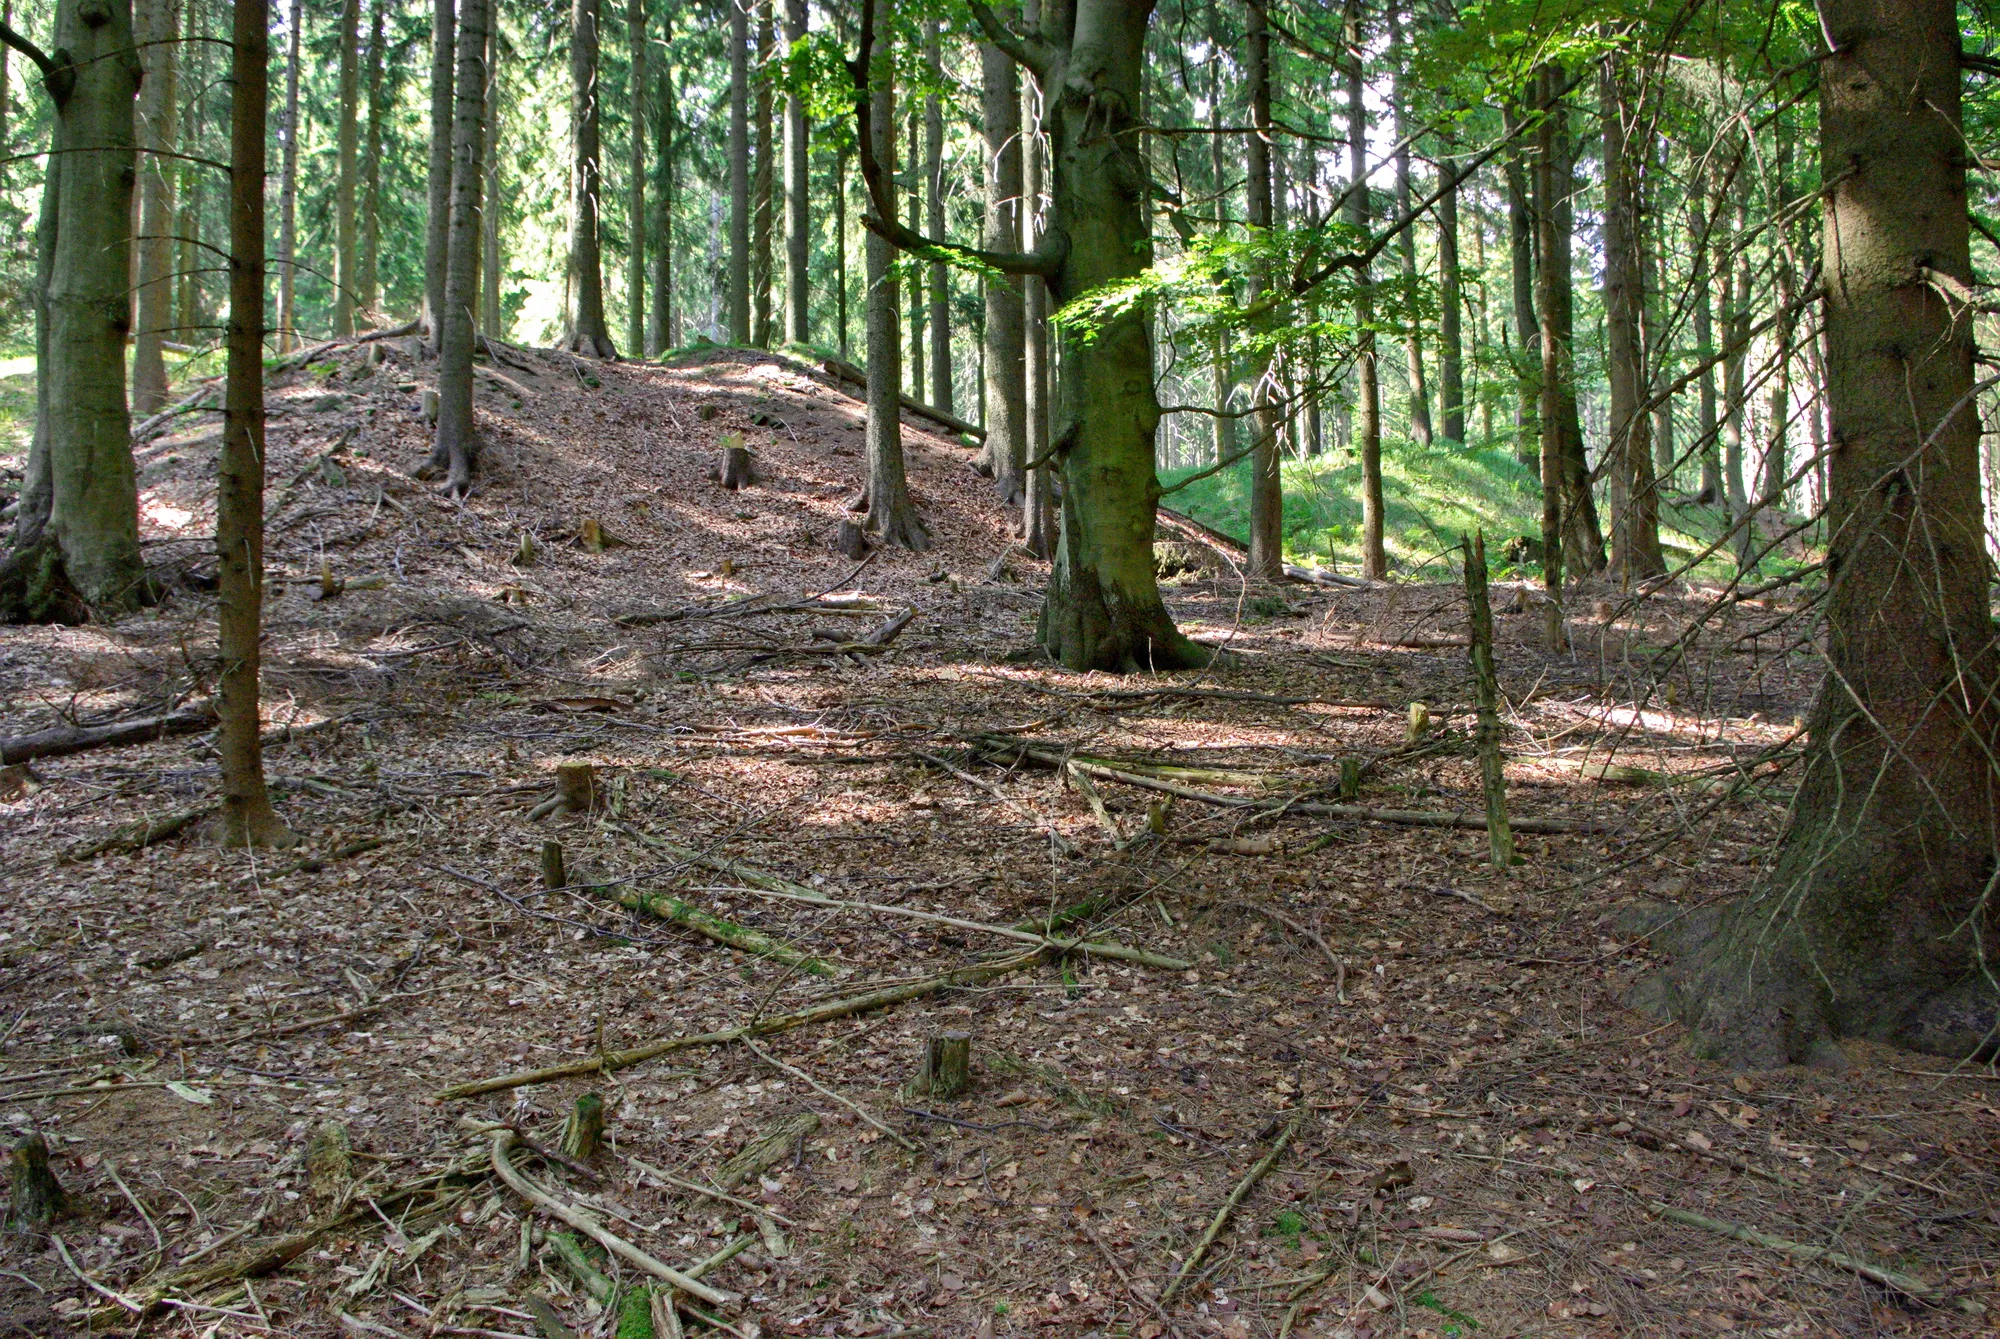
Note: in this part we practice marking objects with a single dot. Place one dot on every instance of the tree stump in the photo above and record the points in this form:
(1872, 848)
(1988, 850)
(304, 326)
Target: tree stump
(329, 1163)
(583, 1132)
(1350, 778)
(945, 1071)
(553, 873)
(427, 405)
(1420, 722)
(37, 1196)
(735, 471)
(851, 542)
(576, 787)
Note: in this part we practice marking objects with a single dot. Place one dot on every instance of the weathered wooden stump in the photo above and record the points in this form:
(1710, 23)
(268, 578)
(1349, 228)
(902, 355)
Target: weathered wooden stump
(38, 1196)
(1420, 722)
(945, 1070)
(1350, 778)
(851, 542)
(736, 471)
(576, 787)
(583, 1132)
(554, 875)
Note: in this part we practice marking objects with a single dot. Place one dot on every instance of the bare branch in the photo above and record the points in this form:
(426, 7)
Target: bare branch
(1028, 50)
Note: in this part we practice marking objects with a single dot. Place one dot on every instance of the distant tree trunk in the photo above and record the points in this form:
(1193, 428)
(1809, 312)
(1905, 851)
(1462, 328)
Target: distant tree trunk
(456, 448)
(662, 330)
(368, 297)
(1267, 500)
(288, 187)
(1702, 224)
(892, 516)
(840, 247)
(492, 262)
(1659, 355)
(1877, 919)
(1583, 542)
(739, 171)
(156, 26)
(6, 100)
(762, 184)
(1222, 375)
(346, 252)
(1451, 300)
(1527, 324)
(1635, 512)
(1736, 316)
(940, 273)
(1038, 509)
(1005, 453)
(798, 196)
(247, 817)
(635, 216)
(1368, 401)
(1551, 259)
(589, 333)
(437, 218)
(1406, 241)
(77, 527)
(915, 201)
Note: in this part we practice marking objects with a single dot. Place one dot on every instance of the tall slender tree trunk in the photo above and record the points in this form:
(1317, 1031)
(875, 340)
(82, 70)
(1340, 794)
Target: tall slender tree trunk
(761, 184)
(492, 261)
(247, 816)
(1551, 260)
(195, 59)
(1451, 304)
(456, 448)
(1877, 919)
(892, 516)
(6, 100)
(156, 26)
(662, 331)
(368, 298)
(1583, 542)
(739, 171)
(1702, 226)
(346, 252)
(1527, 323)
(1735, 328)
(76, 531)
(437, 218)
(1659, 355)
(940, 273)
(589, 333)
(1368, 389)
(915, 201)
(1218, 350)
(635, 195)
(288, 187)
(840, 248)
(1005, 453)
(798, 195)
(1406, 242)
(1038, 509)
(1267, 500)
(1635, 516)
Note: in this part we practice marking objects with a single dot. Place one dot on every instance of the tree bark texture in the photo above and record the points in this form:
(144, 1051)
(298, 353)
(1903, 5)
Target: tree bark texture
(247, 816)
(1877, 918)
(1406, 242)
(939, 273)
(456, 447)
(1267, 499)
(1548, 413)
(1005, 451)
(662, 331)
(492, 263)
(368, 294)
(762, 183)
(1635, 515)
(739, 171)
(1368, 388)
(798, 196)
(288, 187)
(1451, 299)
(78, 525)
(589, 333)
(437, 226)
(347, 151)
(1038, 528)
(1562, 428)
(1526, 353)
(892, 516)
(156, 26)
(1702, 226)
(635, 173)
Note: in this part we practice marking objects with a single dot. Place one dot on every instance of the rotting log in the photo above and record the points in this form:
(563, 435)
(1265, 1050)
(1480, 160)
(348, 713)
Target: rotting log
(68, 739)
(725, 932)
(767, 1150)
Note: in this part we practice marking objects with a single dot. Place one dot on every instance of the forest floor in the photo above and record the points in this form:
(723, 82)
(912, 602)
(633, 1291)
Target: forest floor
(1459, 1126)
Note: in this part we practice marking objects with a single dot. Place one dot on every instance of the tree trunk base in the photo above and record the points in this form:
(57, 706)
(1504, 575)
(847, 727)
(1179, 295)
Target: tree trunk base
(255, 824)
(900, 526)
(590, 346)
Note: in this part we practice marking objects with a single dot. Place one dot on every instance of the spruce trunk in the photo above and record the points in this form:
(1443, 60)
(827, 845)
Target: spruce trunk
(347, 152)
(798, 197)
(892, 517)
(437, 186)
(1267, 499)
(1635, 516)
(635, 216)
(940, 273)
(589, 334)
(739, 171)
(457, 444)
(1367, 431)
(288, 189)
(157, 25)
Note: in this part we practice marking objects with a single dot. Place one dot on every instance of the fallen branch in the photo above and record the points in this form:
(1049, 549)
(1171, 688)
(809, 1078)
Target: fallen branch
(138, 836)
(611, 1061)
(854, 376)
(1228, 1209)
(591, 1228)
(825, 1091)
(68, 739)
(1063, 844)
(724, 932)
(1907, 1284)
(711, 1193)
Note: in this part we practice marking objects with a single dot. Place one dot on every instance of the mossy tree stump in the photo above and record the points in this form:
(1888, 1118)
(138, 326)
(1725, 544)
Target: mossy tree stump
(583, 1133)
(37, 1196)
(945, 1070)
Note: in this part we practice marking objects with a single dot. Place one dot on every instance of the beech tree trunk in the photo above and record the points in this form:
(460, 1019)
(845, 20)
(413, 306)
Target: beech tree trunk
(892, 516)
(635, 196)
(157, 28)
(589, 333)
(288, 188)
(77, 530)
(1038, 509)
(1635, 512)
(1368, 389)
(739, 171)
(346, 279)
(1267, 500)
(1005, 451)
(437, 224)
(798, 197)
(1877, 919)
(761, 186)
(456, 447)
(247, 816)
(1562, 428)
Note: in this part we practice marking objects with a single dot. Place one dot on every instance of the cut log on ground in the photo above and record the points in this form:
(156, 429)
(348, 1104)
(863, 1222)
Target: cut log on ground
(854, 376)
(67, 739)
(138, 836)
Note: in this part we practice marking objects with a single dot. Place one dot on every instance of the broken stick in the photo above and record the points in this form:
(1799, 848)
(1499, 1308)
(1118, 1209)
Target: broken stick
(1228, 1209)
